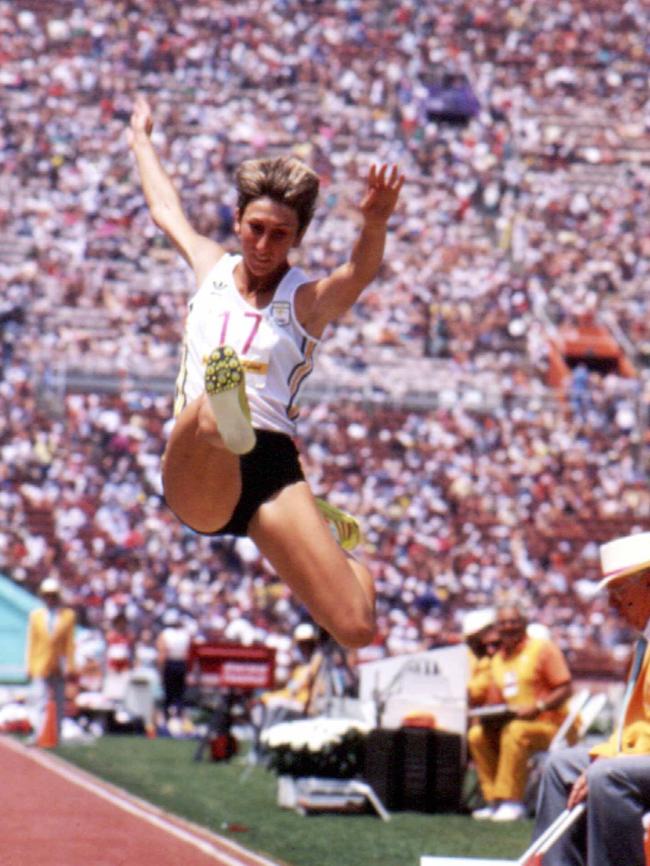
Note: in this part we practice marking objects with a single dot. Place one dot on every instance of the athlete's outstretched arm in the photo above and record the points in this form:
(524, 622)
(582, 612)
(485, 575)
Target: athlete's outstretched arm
(161, 196)
(326, 299)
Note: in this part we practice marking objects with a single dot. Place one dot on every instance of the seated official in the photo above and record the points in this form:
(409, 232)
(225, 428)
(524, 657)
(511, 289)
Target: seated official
(298, 695)
(533, 677)
(613, 779)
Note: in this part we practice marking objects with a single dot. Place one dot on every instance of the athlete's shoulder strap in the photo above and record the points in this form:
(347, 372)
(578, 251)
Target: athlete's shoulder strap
(293, 278)
(285, 294)
(222, 269)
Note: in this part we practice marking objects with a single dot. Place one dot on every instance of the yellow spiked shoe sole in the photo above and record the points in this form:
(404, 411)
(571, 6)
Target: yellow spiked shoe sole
(225, 387)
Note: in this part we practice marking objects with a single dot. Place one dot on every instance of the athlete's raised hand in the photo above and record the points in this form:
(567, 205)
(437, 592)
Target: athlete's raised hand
(382, 193)
(141, 120)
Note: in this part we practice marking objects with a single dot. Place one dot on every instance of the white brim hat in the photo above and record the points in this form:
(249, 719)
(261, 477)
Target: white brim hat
(50, 586)
(624, 557)
(477, 621)
(304, 631)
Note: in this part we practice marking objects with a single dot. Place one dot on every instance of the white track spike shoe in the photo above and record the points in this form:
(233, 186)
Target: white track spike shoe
(347, 527)
(225, 387)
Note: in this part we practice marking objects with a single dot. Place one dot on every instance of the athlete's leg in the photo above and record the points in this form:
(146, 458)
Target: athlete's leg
(338, 591)
(201, 478)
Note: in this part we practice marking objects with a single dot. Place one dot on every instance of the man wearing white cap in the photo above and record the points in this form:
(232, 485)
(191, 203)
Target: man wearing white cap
(50, 652)
(482, 641)
(614, 777)
(298, 693)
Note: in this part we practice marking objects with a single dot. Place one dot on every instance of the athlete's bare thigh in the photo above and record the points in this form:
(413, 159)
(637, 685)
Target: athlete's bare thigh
(201, 478)
(338, 592)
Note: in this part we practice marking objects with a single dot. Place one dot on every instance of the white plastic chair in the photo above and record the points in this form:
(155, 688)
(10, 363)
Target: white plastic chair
(576, 707)
(590, 712)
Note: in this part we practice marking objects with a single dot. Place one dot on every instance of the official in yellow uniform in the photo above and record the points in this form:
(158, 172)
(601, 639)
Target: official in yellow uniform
(50, 652)
(298, 695)
(533, 677)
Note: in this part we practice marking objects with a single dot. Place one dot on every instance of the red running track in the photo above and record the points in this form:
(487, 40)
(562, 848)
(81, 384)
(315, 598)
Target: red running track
(52, 813)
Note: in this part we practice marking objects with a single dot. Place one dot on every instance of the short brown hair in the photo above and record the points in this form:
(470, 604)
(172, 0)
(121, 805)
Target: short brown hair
(284, 179)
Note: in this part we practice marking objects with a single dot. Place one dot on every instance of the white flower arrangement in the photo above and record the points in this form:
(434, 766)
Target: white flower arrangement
(316, 747)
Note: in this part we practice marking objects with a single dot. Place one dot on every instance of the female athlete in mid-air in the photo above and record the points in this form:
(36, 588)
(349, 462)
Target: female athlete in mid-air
(252, 334)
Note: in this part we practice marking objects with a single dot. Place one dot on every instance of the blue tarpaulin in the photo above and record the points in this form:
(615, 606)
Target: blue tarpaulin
(15, 607)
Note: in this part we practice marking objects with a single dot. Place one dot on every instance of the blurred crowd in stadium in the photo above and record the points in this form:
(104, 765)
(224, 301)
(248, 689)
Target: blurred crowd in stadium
(524, 210)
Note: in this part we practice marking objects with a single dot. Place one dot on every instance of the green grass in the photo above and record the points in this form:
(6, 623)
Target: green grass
(217, 795)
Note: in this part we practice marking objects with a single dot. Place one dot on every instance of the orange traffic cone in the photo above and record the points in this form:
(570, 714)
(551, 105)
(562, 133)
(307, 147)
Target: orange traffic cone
(48, 737)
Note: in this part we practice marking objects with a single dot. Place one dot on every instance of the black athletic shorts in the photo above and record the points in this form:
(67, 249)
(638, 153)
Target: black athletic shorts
(271, 465)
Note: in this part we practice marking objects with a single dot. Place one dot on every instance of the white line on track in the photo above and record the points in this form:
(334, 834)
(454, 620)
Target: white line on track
(220, 849)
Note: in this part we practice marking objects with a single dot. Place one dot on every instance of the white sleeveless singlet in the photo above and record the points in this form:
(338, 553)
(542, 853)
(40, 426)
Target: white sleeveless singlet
(277, 353)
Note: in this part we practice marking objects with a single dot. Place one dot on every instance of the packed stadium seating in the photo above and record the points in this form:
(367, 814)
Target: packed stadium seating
(471, 471)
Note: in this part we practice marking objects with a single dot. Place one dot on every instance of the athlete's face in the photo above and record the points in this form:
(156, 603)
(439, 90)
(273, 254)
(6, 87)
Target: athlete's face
(267, 230)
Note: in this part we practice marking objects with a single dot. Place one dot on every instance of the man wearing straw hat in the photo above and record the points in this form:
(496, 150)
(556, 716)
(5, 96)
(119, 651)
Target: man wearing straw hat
(612, 779)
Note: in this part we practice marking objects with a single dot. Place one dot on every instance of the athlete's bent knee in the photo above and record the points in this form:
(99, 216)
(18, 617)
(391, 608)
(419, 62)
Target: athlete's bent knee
(355, 631)
(475, 735)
